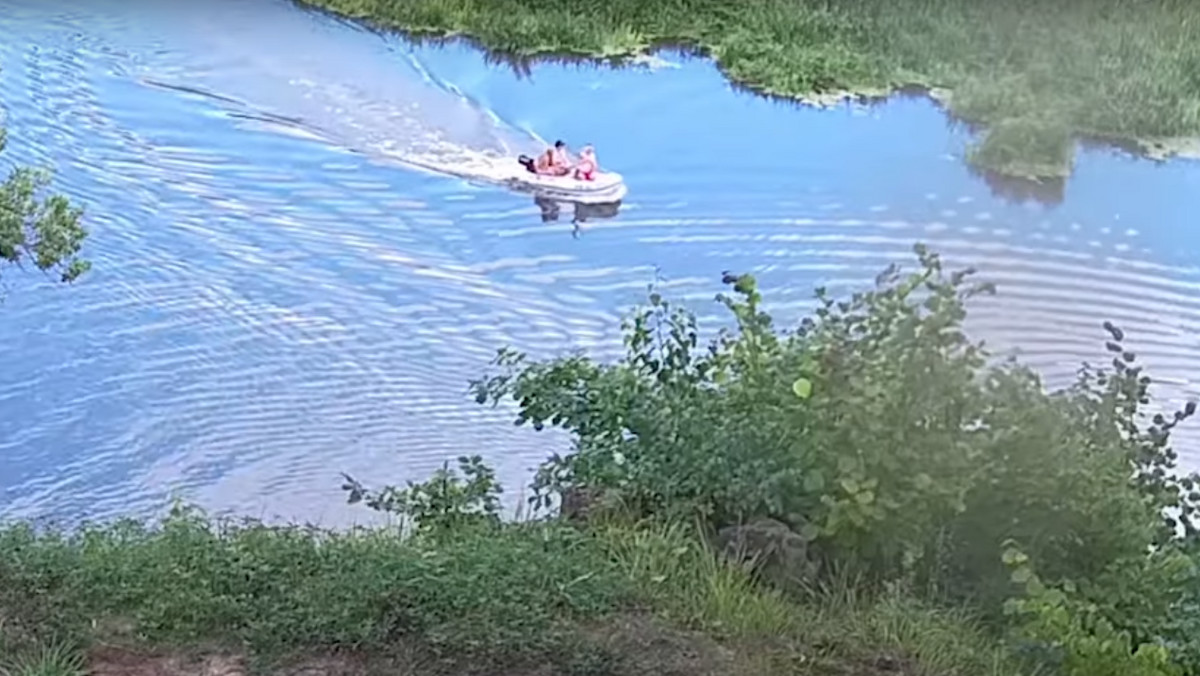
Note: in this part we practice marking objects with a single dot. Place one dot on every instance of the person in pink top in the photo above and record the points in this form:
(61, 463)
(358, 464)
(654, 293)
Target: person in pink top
(586, 168)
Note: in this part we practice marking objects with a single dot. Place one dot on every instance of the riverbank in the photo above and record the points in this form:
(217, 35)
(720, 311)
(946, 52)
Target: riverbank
(192, 596)
(1035, 75)
(865, 494)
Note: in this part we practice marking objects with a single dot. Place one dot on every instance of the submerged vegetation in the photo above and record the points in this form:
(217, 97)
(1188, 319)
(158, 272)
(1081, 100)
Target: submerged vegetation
(865, 493)
(1035, 73)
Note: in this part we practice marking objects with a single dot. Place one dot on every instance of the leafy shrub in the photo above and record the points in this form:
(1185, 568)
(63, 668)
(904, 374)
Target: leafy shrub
(441, 503)
(1079, 638)
(882, 429)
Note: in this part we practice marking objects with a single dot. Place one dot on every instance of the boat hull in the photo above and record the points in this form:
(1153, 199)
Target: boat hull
(606, 187)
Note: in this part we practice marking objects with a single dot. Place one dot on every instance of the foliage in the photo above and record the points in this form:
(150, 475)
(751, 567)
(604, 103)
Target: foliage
(479, 597)
(876, 421)
(1035, 72)
(679, 574)
(43, 229)
(1081, 639)
(1151, 598)
(443, 503)
(670, 567)
(899, 443)
(943, 640)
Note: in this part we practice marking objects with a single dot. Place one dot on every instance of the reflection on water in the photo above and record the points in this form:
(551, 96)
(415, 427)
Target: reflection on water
(1049, 191)
(580, 212)
(273, 303)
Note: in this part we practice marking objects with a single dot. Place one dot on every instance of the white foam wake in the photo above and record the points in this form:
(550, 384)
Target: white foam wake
(321, 78)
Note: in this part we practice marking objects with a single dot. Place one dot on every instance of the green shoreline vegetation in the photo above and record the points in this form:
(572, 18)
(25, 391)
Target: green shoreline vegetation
(867, 493)
(1036, 74)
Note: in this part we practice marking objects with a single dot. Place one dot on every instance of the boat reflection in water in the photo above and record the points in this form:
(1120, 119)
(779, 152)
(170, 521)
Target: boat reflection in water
(581, 212)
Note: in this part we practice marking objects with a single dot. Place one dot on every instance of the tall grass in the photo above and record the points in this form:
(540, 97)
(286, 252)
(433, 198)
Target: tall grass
(672, 565)
(1038, 71)
(838, 620)
(502, 594)
(54, 658)
(939, 640)
(518, 593)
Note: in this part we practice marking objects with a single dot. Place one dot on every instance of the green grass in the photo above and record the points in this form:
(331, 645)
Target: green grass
(50, 659)
(1038, 72)
(529, 593)
(276, 590)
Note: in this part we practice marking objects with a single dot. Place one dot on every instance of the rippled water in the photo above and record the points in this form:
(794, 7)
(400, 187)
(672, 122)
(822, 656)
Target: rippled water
(275, 299)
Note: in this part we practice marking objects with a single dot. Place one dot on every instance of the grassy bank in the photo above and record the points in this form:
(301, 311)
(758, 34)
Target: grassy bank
(192, 595)
(863, 494)
(1035, 73)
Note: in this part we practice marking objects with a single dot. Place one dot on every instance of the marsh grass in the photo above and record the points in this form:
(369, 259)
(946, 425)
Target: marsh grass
(1037, 72)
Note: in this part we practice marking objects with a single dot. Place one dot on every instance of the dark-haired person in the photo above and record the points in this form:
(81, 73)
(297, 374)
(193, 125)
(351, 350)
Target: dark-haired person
(553, 162)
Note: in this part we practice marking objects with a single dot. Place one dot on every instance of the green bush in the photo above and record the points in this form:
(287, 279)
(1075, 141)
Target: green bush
(672, 570)
(443, 503)
(887, 434)
(1080, 639)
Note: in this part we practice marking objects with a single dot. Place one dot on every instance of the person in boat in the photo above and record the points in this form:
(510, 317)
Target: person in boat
(586, 168)
(553, 162)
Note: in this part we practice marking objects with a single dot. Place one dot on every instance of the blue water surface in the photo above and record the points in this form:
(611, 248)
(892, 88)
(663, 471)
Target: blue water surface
(274, 301)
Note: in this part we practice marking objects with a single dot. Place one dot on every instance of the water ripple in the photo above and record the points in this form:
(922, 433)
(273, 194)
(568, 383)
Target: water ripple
(271, 303)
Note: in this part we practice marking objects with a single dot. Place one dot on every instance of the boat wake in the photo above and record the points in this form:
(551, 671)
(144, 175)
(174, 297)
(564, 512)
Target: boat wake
(370, 97)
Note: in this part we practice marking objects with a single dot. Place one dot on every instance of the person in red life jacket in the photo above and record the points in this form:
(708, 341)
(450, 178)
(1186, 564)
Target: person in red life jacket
(586, 168)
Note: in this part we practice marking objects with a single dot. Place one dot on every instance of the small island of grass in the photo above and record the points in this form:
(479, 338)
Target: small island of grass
(1036, 75)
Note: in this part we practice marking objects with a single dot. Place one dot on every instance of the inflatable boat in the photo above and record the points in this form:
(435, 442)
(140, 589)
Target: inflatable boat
(606, 187)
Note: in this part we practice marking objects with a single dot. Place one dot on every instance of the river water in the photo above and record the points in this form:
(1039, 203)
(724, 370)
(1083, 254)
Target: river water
(276, 297)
